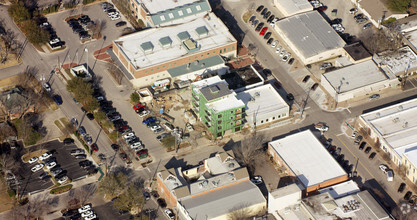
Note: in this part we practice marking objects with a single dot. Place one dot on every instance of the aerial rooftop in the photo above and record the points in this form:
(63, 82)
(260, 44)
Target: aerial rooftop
(160, 45)
(215, 91)
(357, 51)
(307, 158)
(397, 124)
(355, 76)
(291, 7)
(226, 103)
(341, 189)
(156, 6)
(242, 77)
(310, 33)
(397, 61)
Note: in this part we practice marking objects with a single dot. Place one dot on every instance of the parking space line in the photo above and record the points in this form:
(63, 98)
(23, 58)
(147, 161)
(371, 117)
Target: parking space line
(340, 134)
(412, 83)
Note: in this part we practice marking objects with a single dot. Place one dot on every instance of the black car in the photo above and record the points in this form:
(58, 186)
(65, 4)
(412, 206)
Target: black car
(259, 27)
(401, 188)
(267, 35)
(123, 156)
(251, 19)
(407, 195)
(264, 11)
(358, 139)
(372, 156)
(115, 147)
(120, 23)
(90, 116)
(81, 156)
(82, 33)
(270, 18)
(146, 195)
(162, 203)
(291, 61)
(368, 149)
(70, 213)
(155, 194)
(306, 78)
(68, 141)
(314, 87)
(85, 163)
(362, 146)
(266, 15)
(259, 9)
(57, 99)
(72, 20)
(270, 40)
(340, 158)
(290, 96)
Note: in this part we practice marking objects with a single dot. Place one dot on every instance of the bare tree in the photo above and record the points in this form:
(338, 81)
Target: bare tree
(10, 44)
(115, 72)
(8, 162)
(113, 184)
(249, 149)
(380, 41)
(35, 208)
(83, 193)
(6, 131)
(240, 212)
(97, 27)
(404, 211)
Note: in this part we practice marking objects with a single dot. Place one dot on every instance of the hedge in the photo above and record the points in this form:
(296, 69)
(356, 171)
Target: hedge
(61, 189)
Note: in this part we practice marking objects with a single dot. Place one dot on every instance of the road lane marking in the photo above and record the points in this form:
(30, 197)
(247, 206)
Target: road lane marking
(349, 111)
(340, 134)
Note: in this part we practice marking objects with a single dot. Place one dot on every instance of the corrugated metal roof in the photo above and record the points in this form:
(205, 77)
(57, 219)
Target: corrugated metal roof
(310, 33)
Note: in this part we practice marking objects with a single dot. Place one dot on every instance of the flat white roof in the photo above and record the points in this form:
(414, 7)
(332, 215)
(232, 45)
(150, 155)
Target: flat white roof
(155, 6)
(292, 7)
(396, 124)
(226, 103)
(341, 189)
(206, 82)
(133, 45)
(307, 158)
(397, 61)
(355, 76)
(262, 99)
(309, 33)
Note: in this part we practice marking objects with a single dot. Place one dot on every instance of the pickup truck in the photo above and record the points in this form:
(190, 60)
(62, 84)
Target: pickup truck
(321, 127)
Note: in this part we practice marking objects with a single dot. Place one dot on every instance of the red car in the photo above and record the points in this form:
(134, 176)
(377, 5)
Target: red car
(123, 128)
(322, 8)
(143, 151)
(263, 31)
(94, 147)
(139, 106)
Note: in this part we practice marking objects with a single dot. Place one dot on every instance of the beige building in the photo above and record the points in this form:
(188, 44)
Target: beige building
(311, 37)
(292, 7)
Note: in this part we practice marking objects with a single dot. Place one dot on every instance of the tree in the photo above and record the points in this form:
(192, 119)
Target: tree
(6, 131)
(34, 33)
(90, 103)
(100, 116)
(37, 207)
(9, 43)
(239, 212)
(113, 184)
(404, 212)
(399, 5)
(19, 12)
(26, 132)
(83, 193)
(134, 98)
(249, 149)
(130, 199)
(97, 27)
(80, 88)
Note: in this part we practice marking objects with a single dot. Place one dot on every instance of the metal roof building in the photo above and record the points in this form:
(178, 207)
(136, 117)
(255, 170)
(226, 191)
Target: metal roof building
(357, 80)
(399, 62)
(306, 158)
(292, 7)
(310, 37)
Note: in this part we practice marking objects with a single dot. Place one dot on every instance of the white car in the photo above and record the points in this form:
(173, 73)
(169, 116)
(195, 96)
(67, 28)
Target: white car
(37, 167)
(278, 49)
(113, 14)
(129, 135)
(115, 17)
(47, 87)
(87, 213)
(256, 180)
(283, 52)
(144, 113)
(63, 180)
(90, 217)
(354, 134)
(274, 44)
(84, 208)
(50, 165)
(384, 168)
(45, 156)
(153, 128)
(286, 57)
(33, 160)
(136, 145)
(169, 213)
(322, 128)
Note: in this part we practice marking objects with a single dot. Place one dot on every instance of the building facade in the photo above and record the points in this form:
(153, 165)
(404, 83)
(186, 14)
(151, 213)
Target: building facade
(217, 106)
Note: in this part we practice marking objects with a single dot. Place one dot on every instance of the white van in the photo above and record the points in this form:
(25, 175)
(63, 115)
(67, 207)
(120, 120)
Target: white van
(390, 176)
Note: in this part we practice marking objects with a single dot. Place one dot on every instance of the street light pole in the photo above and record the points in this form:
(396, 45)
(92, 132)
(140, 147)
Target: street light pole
(88, 71)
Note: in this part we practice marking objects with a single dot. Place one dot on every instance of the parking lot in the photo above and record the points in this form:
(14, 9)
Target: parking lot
(31, 181)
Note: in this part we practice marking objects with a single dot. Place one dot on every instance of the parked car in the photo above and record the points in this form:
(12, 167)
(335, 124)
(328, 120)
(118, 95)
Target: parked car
(325, 65)
(266, 15)
(314, 87)
(144, 113)
(259, 9)
(82, 131)
(148, 120)
(375, 96)
(56, 172)
(251, 19)
(263, 31)
(306, 78)
(264, 11)
(121, 23)
(256, 180)
(50, 165)
(57, 99)
(37, 167)
(84, 208)
(115, 147)
(358, 139)
(47, 87)
(123, 156)
(271, 18)
(366, 26)
(354, 134)
(390, 176)
(362, 146)
(367, 150)
(169, 213)
(80, 156)
(270, 41)
(372, 155)
(407, 195)
(290, 96)
(45, 156)
(77, 151)
(85, 163)
(401, 188)
(274, 44)
(291, 61)
(68, 141)
(94, 147)
(62, 180)
(33, 160)
(162, 203)
(353, 10)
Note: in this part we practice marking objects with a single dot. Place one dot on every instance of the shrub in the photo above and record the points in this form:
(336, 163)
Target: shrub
(114, 135)
(50, 9)
(85, 2)
(19, 12)
(399, 5)
(134, 98)
(34, 33)
(69, 5)
(11, 193)
(389, 20)
(61, 189)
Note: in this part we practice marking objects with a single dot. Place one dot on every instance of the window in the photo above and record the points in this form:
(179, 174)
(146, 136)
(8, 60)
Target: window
(219, 122)
(208, 54)
(162, 18)
(262, 121)
(233, 47)
(231, 123)
(231, 112)
(220, 127)
(220, 116)
(170, 15)
(220, 50)
(189, 10)
(279, 116)
(219, 134)
(180, 13)
(273, 118)
(231, 117)
(198, 7)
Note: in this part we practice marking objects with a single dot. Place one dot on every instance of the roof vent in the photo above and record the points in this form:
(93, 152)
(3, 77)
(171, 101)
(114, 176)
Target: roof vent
(202, 31)
(165, 42)
(182, 36)
(405, 124)
(147, 47)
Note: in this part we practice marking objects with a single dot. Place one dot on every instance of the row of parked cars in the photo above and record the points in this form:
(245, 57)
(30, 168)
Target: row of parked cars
(53, 168)
(86, 212)
(80, 26)
(54, 40)
(110, 10)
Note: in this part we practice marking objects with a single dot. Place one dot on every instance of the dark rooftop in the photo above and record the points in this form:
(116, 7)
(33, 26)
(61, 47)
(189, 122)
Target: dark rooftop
(241, 77)
(215, 91)
(357, 51)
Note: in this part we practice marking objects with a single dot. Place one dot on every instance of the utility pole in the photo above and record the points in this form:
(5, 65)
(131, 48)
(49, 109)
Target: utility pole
(305, 103)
